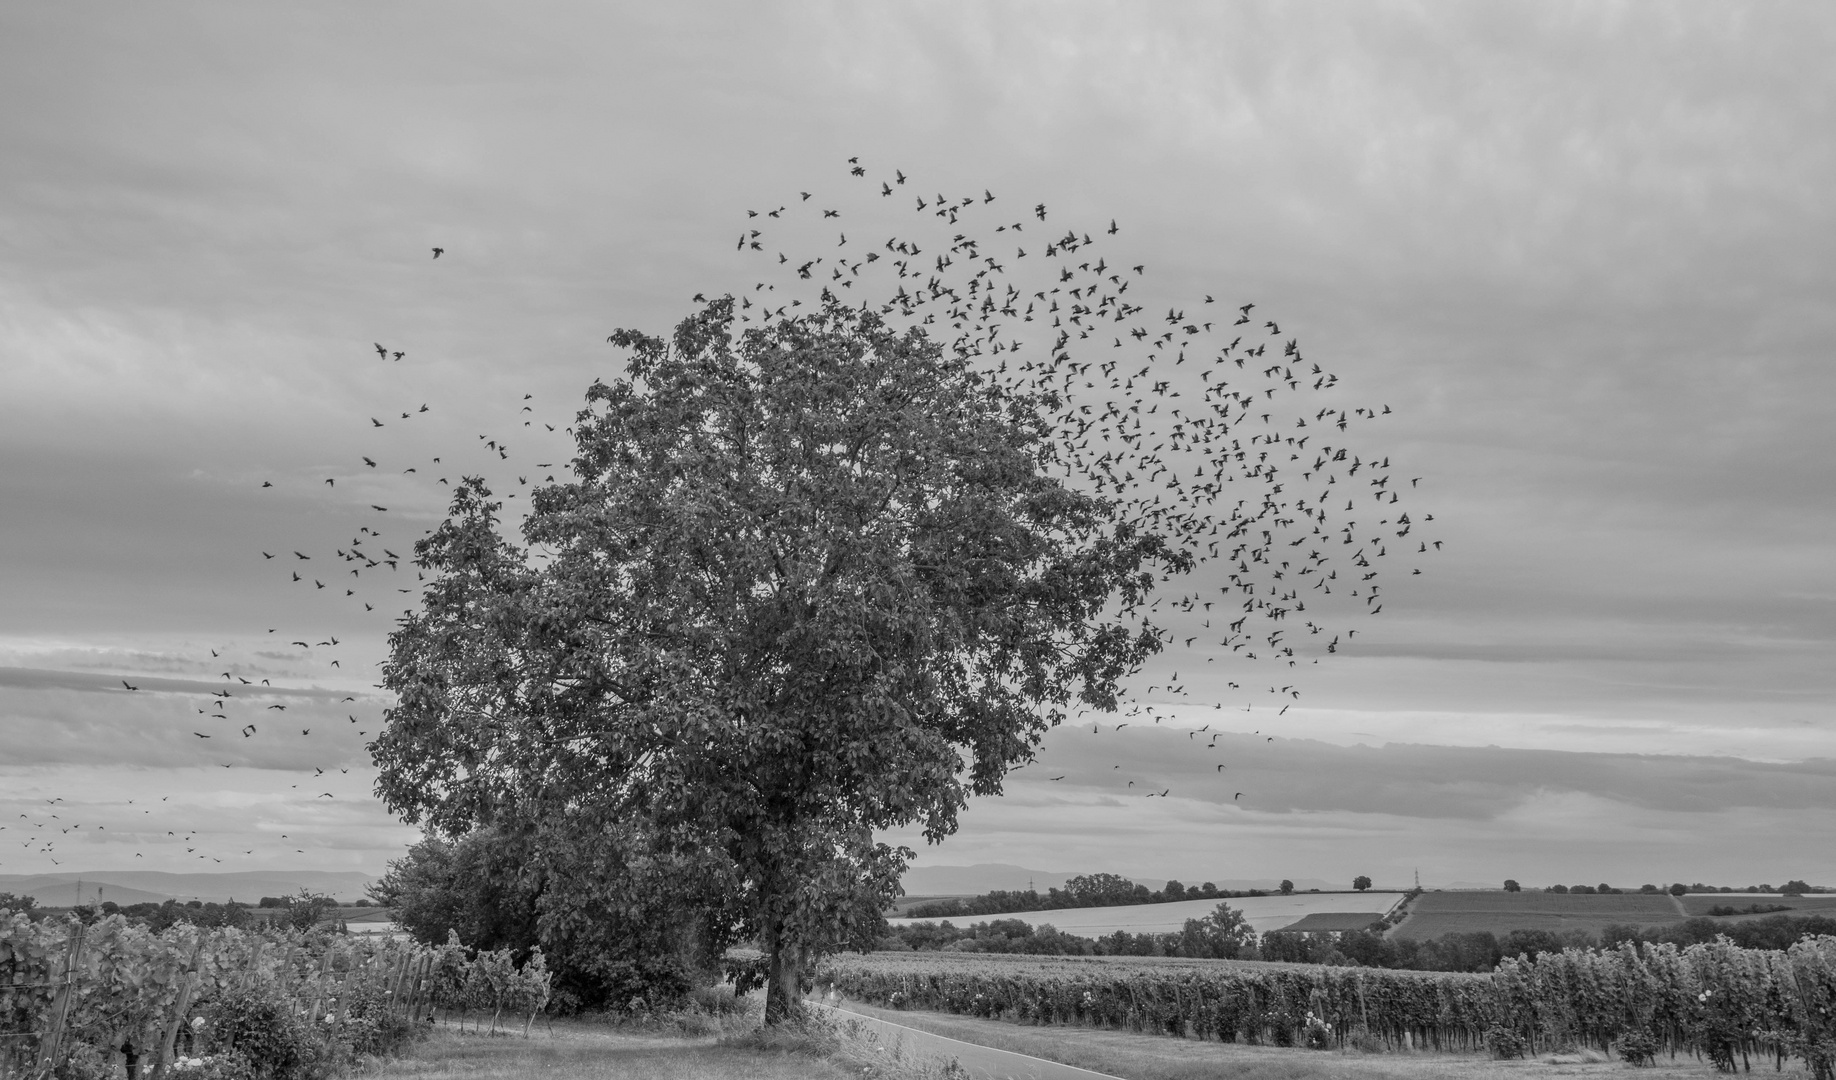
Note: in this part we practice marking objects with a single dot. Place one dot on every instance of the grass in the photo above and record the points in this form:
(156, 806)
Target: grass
(583, 1051)
(1158, 1057)
(697, 1046)
(1815, 904)
(905, 903)
(1436, 913)
(692, 1045)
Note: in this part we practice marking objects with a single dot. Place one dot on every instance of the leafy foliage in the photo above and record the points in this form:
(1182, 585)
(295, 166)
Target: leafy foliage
(264, 1032)
(287, 1004)
(614, 939)
(802, 576)
(1716, 998)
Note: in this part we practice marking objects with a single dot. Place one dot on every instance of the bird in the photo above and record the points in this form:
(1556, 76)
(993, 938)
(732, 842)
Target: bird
(129, 685)
(437, 252)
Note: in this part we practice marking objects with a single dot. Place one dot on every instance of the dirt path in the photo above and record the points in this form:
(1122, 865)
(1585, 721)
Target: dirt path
(982, 1062)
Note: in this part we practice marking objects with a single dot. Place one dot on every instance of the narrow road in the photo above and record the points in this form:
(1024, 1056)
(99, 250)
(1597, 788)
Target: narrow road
(981, 1062)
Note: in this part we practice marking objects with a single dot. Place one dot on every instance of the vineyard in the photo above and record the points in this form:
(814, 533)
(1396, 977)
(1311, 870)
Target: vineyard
(1718, 1001)
(76, 999)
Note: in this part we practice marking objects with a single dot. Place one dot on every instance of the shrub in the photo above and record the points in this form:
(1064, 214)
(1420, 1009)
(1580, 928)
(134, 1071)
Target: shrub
(370, 1026)
(84, 1062)
(1504, 1043)
(273, 1041)
(715, 1001)
(228, 1065)
(1638, 1048)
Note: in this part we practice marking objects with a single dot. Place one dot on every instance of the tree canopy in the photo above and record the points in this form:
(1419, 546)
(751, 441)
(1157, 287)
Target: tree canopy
(809, 581)
(826, 569)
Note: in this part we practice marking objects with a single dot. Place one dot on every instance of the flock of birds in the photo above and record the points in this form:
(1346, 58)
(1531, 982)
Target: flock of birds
(1187, 420)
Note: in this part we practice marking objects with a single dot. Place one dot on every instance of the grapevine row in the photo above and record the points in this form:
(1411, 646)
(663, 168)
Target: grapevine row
(114, 986)
(1717, 1000)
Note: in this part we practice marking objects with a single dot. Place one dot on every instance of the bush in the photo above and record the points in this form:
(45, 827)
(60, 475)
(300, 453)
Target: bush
(84, 1062)
(1317, 1035)
(1638, 1048)
(370, 1026)
(228, 1065)
(1504, 1043)
(273, 1041)
(716, 1001)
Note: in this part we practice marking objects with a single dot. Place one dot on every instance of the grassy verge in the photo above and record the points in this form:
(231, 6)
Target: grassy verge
(685, 1046)
(1158, 1057)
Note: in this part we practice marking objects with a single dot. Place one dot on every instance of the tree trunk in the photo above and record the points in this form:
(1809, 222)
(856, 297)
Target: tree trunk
(783, 976)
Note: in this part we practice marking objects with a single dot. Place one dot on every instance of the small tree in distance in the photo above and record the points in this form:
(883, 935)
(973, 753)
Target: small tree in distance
(1361, 883)
(1511, 885)
(1287, 887)
(1678, 889)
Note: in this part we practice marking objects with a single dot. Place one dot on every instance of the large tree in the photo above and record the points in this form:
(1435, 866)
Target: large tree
(809, 580)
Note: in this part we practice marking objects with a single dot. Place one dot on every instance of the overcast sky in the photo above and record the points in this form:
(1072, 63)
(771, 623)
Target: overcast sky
(1583, 252)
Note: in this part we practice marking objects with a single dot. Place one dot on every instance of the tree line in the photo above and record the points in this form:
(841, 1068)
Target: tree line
(1087, 891)
(1794, 887)
(301, 912)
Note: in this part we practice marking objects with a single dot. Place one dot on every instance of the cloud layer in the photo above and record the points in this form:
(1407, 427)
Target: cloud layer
(1582, 250)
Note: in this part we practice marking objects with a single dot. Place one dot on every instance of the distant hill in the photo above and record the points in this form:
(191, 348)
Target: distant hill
(988, 877)
(57, 891)
(152, 886)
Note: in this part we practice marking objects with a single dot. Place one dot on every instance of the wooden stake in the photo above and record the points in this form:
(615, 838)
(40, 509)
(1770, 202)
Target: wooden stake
(60, 1006)
(190, 980)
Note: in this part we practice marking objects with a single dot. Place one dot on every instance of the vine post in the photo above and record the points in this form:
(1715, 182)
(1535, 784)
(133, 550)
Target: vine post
(188, 981)
(60, 1006)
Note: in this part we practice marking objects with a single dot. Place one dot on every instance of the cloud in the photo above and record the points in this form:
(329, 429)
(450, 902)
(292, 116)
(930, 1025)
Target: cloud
(1295, 776)
(1580, 250)
(61, 718)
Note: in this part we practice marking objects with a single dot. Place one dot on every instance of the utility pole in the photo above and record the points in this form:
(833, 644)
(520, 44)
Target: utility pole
(1418, 877)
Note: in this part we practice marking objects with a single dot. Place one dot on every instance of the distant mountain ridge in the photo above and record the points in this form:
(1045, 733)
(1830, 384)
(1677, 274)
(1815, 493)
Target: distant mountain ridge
(153, 886)
(988, 877)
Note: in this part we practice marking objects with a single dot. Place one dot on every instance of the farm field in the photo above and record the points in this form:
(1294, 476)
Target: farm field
(1700, 903)
(1017, 965)
(1715, 1000)
(1435, 913)
(1135, 1056)
(1263, 913)
(906, 903)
